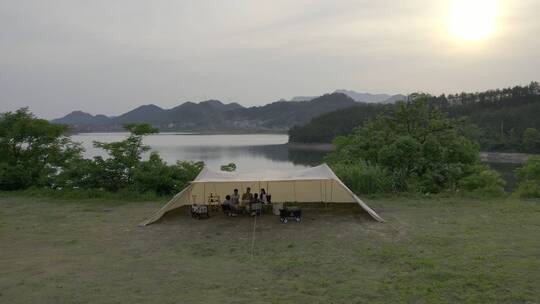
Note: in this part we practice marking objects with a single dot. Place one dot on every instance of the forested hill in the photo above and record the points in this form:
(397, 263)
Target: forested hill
(323, 128)
(213, 116)
(502, 119)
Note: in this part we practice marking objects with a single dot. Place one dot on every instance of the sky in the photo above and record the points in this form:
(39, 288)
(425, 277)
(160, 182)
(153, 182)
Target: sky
(111, 56)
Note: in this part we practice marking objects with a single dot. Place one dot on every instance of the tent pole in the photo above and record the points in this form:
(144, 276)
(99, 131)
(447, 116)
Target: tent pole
(294, 190)
(332, 191)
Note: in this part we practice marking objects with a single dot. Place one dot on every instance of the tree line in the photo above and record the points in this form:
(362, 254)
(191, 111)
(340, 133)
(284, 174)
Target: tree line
(412, 146)
(499, 120)
(417, 147)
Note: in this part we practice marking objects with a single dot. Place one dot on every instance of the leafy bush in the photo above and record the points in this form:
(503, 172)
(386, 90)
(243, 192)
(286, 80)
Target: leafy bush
(80, 174)
(124, 156)
(153, 176)
(531, 140)
(123, 169)
(14, 176)
(483, 181)
(186, 171)
(363, 178)
(415, 143)
(39, 155)
(156, 176)
(32, 150)
(529, 179)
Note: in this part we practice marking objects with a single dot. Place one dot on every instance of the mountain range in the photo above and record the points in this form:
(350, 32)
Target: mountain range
(215, 116)
(360, 97)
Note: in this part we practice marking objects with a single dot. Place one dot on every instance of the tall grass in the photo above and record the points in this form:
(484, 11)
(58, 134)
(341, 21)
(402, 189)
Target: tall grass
(70, 194)
(363, 178)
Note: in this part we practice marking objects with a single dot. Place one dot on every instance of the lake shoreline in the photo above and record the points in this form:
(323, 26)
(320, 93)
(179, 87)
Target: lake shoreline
(504, 157)
(485, 156)
(240, 132)
(319, 147)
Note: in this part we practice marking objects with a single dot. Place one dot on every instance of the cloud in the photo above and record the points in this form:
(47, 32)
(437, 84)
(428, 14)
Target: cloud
(109, 56)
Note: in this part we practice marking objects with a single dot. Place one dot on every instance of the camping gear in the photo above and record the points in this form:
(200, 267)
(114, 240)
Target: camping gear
(214, 199)
(276, 207)
(199, 211)
(214, 202)
(310, 185)
(290, 212)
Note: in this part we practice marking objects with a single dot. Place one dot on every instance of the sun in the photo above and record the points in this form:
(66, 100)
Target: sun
(473, 20)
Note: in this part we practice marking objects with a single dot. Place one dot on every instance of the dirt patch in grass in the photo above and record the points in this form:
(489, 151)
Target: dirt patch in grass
(430, 251)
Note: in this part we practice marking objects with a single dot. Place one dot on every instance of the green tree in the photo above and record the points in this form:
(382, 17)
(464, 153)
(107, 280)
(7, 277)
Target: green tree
(529, 179)
(124, 156)
(156, 176)
(418, 145)
(32, 150)
(483, 181)
(531, 140)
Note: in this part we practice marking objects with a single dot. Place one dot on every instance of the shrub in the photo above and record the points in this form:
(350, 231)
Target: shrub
(184, 172)
(531, 140)
(483, 181)
(37, 154)
(153, 176)
(415, 145)
(529, 179)
(14, 177)
(32, 150)
(80, 173)
(156, 176)
(363, 178)
(123, 156)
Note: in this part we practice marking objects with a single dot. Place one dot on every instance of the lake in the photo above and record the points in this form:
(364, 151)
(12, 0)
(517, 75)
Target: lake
(248, 151)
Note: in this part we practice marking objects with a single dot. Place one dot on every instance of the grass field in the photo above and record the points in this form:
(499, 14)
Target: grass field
(438, 250)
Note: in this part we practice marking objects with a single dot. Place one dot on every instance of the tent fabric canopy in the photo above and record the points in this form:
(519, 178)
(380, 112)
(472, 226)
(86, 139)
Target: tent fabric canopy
(321, 172)
(316, 184)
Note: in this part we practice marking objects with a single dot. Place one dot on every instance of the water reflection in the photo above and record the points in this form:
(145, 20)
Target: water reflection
(248, 152)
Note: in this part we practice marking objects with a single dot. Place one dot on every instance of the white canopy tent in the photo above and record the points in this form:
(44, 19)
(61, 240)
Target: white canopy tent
(316, 184)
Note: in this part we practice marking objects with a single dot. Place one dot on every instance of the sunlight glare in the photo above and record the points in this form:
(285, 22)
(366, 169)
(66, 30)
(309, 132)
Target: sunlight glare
(473, 20)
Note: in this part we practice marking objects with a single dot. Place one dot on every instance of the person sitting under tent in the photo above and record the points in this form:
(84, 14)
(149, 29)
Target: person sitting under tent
(228, 206)
(265, 198)
(247, 198)
(255, 205)
(235, 198)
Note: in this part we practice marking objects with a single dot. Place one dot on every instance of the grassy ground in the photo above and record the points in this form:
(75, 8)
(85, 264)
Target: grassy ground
(439, 250)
